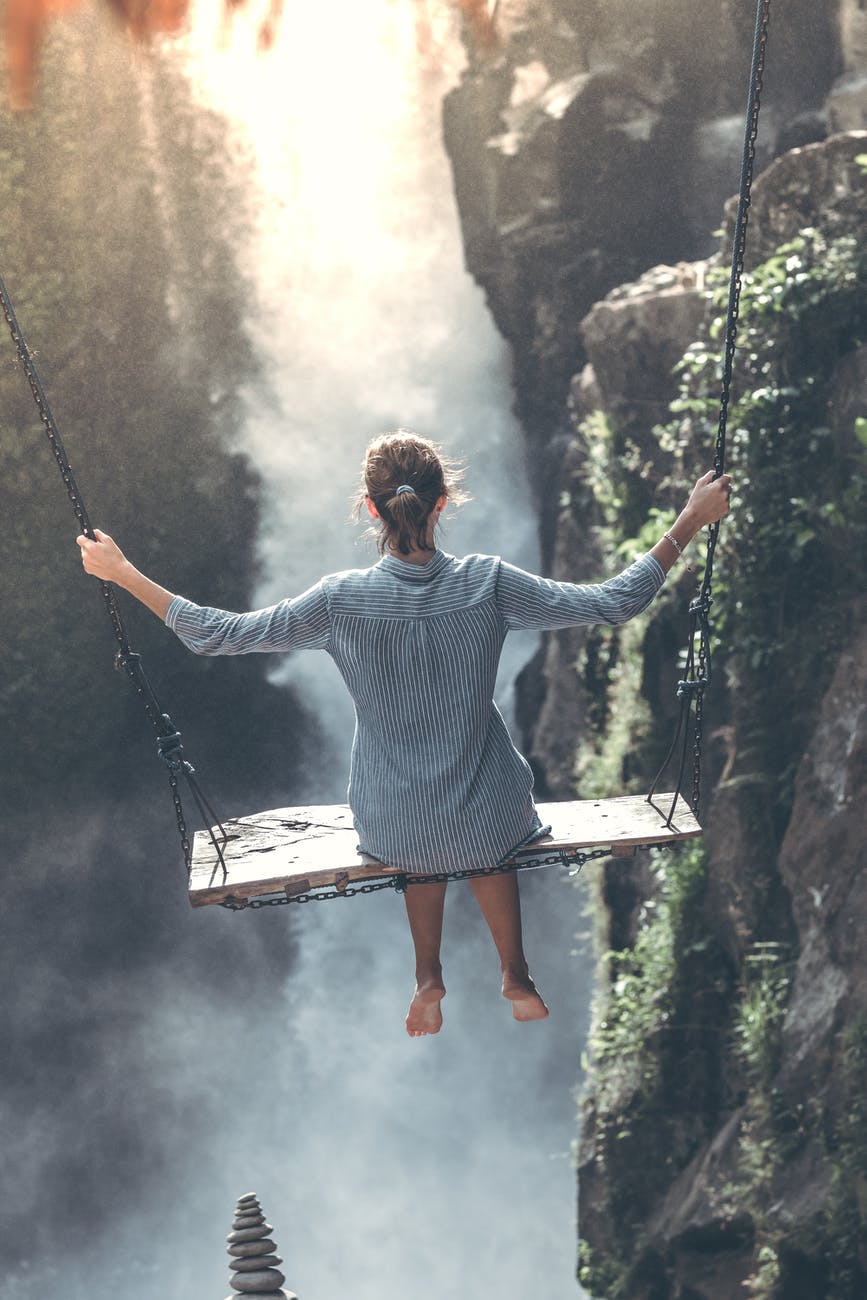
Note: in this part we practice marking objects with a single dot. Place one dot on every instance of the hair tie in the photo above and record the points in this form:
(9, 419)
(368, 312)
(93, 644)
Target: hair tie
(404, 487)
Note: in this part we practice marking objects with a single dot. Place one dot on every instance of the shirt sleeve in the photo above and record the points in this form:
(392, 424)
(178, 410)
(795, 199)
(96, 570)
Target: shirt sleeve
(301, 623)
(528, 602)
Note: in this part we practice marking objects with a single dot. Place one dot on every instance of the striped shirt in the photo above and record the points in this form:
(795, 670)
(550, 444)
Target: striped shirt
(436, 783)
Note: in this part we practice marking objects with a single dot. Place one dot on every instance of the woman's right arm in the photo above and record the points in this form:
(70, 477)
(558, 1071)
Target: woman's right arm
(302, 623)
(102, 557)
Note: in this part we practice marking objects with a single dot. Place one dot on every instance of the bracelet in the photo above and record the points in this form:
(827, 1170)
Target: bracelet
(677, 546)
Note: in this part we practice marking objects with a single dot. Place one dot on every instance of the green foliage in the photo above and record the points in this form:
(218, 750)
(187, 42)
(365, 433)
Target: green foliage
(853, 1129)
(118, 256)
(847, 1223)
(758, 1024)
(620, 721)
(613, 487)
(762, 1145)
(639, 996)
(791, 550)
(763, 1284)
(620, 478)
(601, 1276)
(789, 557)
(658, 1003)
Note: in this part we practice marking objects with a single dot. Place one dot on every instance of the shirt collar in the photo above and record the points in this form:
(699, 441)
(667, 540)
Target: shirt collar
(416, 573)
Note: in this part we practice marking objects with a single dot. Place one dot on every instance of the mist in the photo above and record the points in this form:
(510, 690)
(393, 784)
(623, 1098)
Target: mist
(218, 1053)
(363, 317)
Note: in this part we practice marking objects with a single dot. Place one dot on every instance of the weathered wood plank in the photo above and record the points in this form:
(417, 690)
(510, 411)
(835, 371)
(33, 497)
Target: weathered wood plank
(293, 850)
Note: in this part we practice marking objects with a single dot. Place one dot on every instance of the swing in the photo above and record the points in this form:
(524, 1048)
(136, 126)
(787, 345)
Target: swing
(289, 854)
(306, 854)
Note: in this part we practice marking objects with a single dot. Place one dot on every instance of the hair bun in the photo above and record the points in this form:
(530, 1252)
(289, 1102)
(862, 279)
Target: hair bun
(391, 459)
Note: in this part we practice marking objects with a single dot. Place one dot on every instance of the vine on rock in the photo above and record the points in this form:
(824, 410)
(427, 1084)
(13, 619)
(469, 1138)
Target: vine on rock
(786, 569)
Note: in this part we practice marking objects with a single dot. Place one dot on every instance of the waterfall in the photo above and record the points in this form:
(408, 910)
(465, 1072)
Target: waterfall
(409, 1164)
(362, 315)
(393, 1169)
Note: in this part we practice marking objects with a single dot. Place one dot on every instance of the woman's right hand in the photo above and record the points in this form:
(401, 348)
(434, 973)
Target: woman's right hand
(102, 557)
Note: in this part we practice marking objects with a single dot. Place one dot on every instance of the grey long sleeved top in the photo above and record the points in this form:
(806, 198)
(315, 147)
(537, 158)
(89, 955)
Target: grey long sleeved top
(436, 783)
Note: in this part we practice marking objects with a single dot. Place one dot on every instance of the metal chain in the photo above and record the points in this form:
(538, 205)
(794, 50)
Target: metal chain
(574, 858)
(696, 749)
(739, 246)
(697, 677)
(168, 738)
(57, 447)
(235, 904)
(183, 834)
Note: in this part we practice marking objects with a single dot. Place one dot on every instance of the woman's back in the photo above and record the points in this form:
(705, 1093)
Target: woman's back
(435, 781)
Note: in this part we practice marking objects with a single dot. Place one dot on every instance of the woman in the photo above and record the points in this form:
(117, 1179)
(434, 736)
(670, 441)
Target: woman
(436, 785)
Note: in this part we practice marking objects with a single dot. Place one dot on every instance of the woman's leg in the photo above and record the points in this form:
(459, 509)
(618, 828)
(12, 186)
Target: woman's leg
(500, 902)
(424, 908)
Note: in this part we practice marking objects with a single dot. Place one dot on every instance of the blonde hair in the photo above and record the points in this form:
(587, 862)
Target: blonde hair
(399, 460)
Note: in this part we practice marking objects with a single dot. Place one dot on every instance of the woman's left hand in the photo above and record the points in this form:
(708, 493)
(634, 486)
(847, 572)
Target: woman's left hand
(709, 499)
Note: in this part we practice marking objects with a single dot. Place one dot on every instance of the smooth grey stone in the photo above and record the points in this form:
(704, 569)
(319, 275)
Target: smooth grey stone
(255, 1261)
(248, 1200)
(244, 1249)
(248, 1220)
(268, 1279)
(282, 1294)
(249, 1234)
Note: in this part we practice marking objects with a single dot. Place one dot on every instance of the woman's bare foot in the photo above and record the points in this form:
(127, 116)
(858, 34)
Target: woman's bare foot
(425, 1015)
(523, 995)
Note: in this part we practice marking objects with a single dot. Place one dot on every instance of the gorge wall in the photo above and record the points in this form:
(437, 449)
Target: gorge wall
(722, 1143)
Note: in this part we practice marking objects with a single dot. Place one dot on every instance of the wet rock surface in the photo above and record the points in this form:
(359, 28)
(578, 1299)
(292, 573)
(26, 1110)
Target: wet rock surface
(602, 141)
(590, 179)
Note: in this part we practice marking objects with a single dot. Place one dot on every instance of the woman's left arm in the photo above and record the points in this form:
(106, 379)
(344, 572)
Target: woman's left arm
(526, 601)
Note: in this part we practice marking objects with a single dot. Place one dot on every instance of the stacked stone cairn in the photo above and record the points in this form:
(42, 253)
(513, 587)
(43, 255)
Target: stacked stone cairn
(253, 1256)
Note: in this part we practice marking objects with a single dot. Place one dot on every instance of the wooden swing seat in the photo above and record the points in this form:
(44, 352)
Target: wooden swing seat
(292, 851)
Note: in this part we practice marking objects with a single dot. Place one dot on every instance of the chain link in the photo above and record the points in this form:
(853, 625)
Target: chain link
(183, 834)
(125, 658)
(573, 858)
(698, 673)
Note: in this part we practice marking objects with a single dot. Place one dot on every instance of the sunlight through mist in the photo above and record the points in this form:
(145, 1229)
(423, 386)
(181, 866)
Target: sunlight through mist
(359, 304)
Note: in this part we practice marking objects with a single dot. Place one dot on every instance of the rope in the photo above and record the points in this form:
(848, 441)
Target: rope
(169, 744)
(697, 676)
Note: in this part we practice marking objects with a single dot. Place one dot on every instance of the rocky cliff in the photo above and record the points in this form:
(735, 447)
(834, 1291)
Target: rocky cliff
(723, 1146)
(599, 139)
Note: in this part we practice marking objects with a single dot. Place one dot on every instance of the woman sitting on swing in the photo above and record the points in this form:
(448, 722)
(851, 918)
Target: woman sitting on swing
(436, 785)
